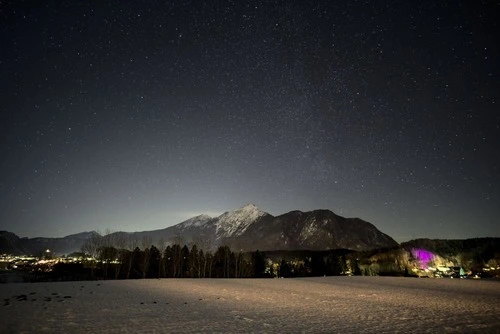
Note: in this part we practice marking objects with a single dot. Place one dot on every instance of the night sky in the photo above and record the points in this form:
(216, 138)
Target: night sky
(136, 115)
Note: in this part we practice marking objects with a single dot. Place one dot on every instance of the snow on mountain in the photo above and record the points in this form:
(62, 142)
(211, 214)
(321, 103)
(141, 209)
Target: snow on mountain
(197, 221)
(235, 223)
(309, 230)
(247, 228)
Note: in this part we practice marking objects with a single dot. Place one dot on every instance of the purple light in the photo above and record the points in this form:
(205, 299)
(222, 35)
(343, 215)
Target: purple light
(423, 256)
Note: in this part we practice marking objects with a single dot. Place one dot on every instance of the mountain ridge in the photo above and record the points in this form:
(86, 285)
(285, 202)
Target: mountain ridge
(247, 229)
(10, 243)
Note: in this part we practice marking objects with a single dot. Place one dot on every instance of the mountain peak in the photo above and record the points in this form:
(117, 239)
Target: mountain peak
(202, 216)
(234, 223)
(249, 207)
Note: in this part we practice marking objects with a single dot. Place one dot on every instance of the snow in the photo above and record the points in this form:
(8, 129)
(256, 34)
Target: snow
(313, 305)
(195, 221)
(309, 230)
(235, 223)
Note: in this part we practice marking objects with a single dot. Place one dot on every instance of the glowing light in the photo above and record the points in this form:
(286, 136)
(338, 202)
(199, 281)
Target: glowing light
(423, 256)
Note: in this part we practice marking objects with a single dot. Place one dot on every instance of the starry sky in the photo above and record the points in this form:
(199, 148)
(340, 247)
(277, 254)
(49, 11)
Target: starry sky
(136, 115)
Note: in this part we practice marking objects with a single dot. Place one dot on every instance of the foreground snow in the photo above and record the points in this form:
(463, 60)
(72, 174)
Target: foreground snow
(313, 305)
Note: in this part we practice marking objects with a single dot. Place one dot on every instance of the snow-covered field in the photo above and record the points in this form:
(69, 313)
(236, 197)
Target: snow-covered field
(312, 305)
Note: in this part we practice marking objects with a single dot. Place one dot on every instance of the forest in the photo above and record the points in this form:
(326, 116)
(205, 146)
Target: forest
(176, 261)
(118, 258)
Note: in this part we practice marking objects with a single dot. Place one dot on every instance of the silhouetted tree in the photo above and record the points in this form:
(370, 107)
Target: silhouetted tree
(154, 262)
(161, 248)
(137, 260)
(208, 265)
(168, 259)
(107, 255)
(128, 257)
(357, 268)
(201, 260)
(176, 260)
(284, 270)
(317, 265)
(245, 265)
(91, 248)
(194, 262)
(119, 243)
(145, 260)
(239, 265)
(222, 262)
(185, 262)
(335, 264)
(259, 264)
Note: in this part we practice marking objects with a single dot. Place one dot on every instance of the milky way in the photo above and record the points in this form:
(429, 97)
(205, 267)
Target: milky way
(138, 115)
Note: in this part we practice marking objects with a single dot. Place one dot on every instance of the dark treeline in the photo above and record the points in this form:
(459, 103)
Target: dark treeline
(306, 263)
(176, 261)
(116, 257)
(118, 260)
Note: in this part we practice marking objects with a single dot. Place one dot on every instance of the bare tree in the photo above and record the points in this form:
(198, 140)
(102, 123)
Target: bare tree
(201, 261)
(176, 260)
(194, 261)
(162, 245)
(208, 262)
(107, 251)
(119, 244)
(132, 244)
(146, 243)
(91, 248)
(178, 239)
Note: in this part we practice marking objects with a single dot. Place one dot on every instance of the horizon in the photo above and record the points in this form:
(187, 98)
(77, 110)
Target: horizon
(216, 215)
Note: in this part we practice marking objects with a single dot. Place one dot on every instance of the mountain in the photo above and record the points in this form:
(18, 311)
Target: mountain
(184, 232)
(235, 223)
(12, 244)
(205, 231)
(65, 245)
(247, 228)
(314, 230)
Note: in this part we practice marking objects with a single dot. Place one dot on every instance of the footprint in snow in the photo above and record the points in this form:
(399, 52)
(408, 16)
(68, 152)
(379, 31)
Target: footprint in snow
(22, 298)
